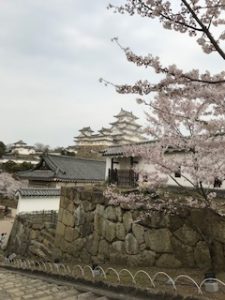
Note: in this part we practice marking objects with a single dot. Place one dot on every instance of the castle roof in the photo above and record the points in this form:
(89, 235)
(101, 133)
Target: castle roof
(124, 126)
(20, 142)
(103, 129)
(124, 112)
(125, 123)
(86, 129)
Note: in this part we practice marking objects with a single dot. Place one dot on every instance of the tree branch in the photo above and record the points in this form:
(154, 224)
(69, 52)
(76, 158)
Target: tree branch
(204, 29)
(174, 21)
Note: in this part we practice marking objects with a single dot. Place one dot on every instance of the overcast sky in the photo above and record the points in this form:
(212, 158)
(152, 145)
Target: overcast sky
(52, 53)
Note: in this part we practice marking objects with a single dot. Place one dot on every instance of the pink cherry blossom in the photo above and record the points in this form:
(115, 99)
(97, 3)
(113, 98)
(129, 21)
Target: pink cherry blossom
(9, 185)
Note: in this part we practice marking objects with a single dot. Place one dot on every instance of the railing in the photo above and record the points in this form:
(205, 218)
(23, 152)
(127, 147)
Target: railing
(139, 279)
(40, 216)
(123, 178)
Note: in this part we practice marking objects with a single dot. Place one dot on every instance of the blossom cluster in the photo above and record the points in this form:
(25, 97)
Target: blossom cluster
(9, 185)
(162, 202)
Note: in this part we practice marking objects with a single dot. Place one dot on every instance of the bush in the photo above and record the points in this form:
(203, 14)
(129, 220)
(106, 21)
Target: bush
(12, 167)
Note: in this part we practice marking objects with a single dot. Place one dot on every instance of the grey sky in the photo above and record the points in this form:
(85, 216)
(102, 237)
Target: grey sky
(52, 53)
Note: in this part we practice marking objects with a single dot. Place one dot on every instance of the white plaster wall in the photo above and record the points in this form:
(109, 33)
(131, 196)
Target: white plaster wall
(18, 161)
(178, 158)
(136, 138)
(143, 165)
(146, 166)
(101, 143)
(23, 151)
(29, 204)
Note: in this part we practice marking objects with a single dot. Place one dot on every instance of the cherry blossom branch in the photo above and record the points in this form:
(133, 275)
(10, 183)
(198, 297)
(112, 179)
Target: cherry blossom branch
(171, 113)
(205, 30)
(188, 180)
(153, 62)
(171, 19)
(190, 193)
(188, 19)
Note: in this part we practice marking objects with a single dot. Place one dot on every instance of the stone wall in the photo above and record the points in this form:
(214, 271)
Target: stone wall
(91, 231)
(33, 235)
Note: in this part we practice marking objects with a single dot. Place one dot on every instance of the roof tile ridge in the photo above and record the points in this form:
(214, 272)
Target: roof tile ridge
(89, 159)
(132, 144)
(72, 158)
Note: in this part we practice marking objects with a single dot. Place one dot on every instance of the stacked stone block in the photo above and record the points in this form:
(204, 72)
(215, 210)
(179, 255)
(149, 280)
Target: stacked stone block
(32, 237)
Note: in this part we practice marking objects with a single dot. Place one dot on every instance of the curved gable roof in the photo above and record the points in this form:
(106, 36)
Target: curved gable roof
(67, 168)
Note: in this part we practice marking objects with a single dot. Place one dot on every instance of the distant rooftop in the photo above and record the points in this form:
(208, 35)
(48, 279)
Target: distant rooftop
(86, 129)
(105, 129)
(20, 142)
(124, 112)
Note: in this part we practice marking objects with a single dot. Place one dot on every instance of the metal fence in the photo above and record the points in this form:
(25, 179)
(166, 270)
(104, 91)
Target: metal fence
(159, 280)
(123, 178)
(40, 216)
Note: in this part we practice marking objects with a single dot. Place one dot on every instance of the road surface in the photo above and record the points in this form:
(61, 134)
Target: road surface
(16, 286)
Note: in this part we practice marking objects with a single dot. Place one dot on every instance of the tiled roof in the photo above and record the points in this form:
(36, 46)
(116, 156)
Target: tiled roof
(20, 142)
(39, 192)
(120, 149)
(105, 129)
(67, 168)
(124, 112)
(111, 151)
(86, 129)
(125, 123)
(47, 175)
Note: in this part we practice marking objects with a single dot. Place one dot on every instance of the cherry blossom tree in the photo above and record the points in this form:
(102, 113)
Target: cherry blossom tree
(185, 110)
(9, 185)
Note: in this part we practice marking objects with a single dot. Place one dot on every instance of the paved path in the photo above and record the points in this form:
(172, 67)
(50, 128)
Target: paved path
(15, 286)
